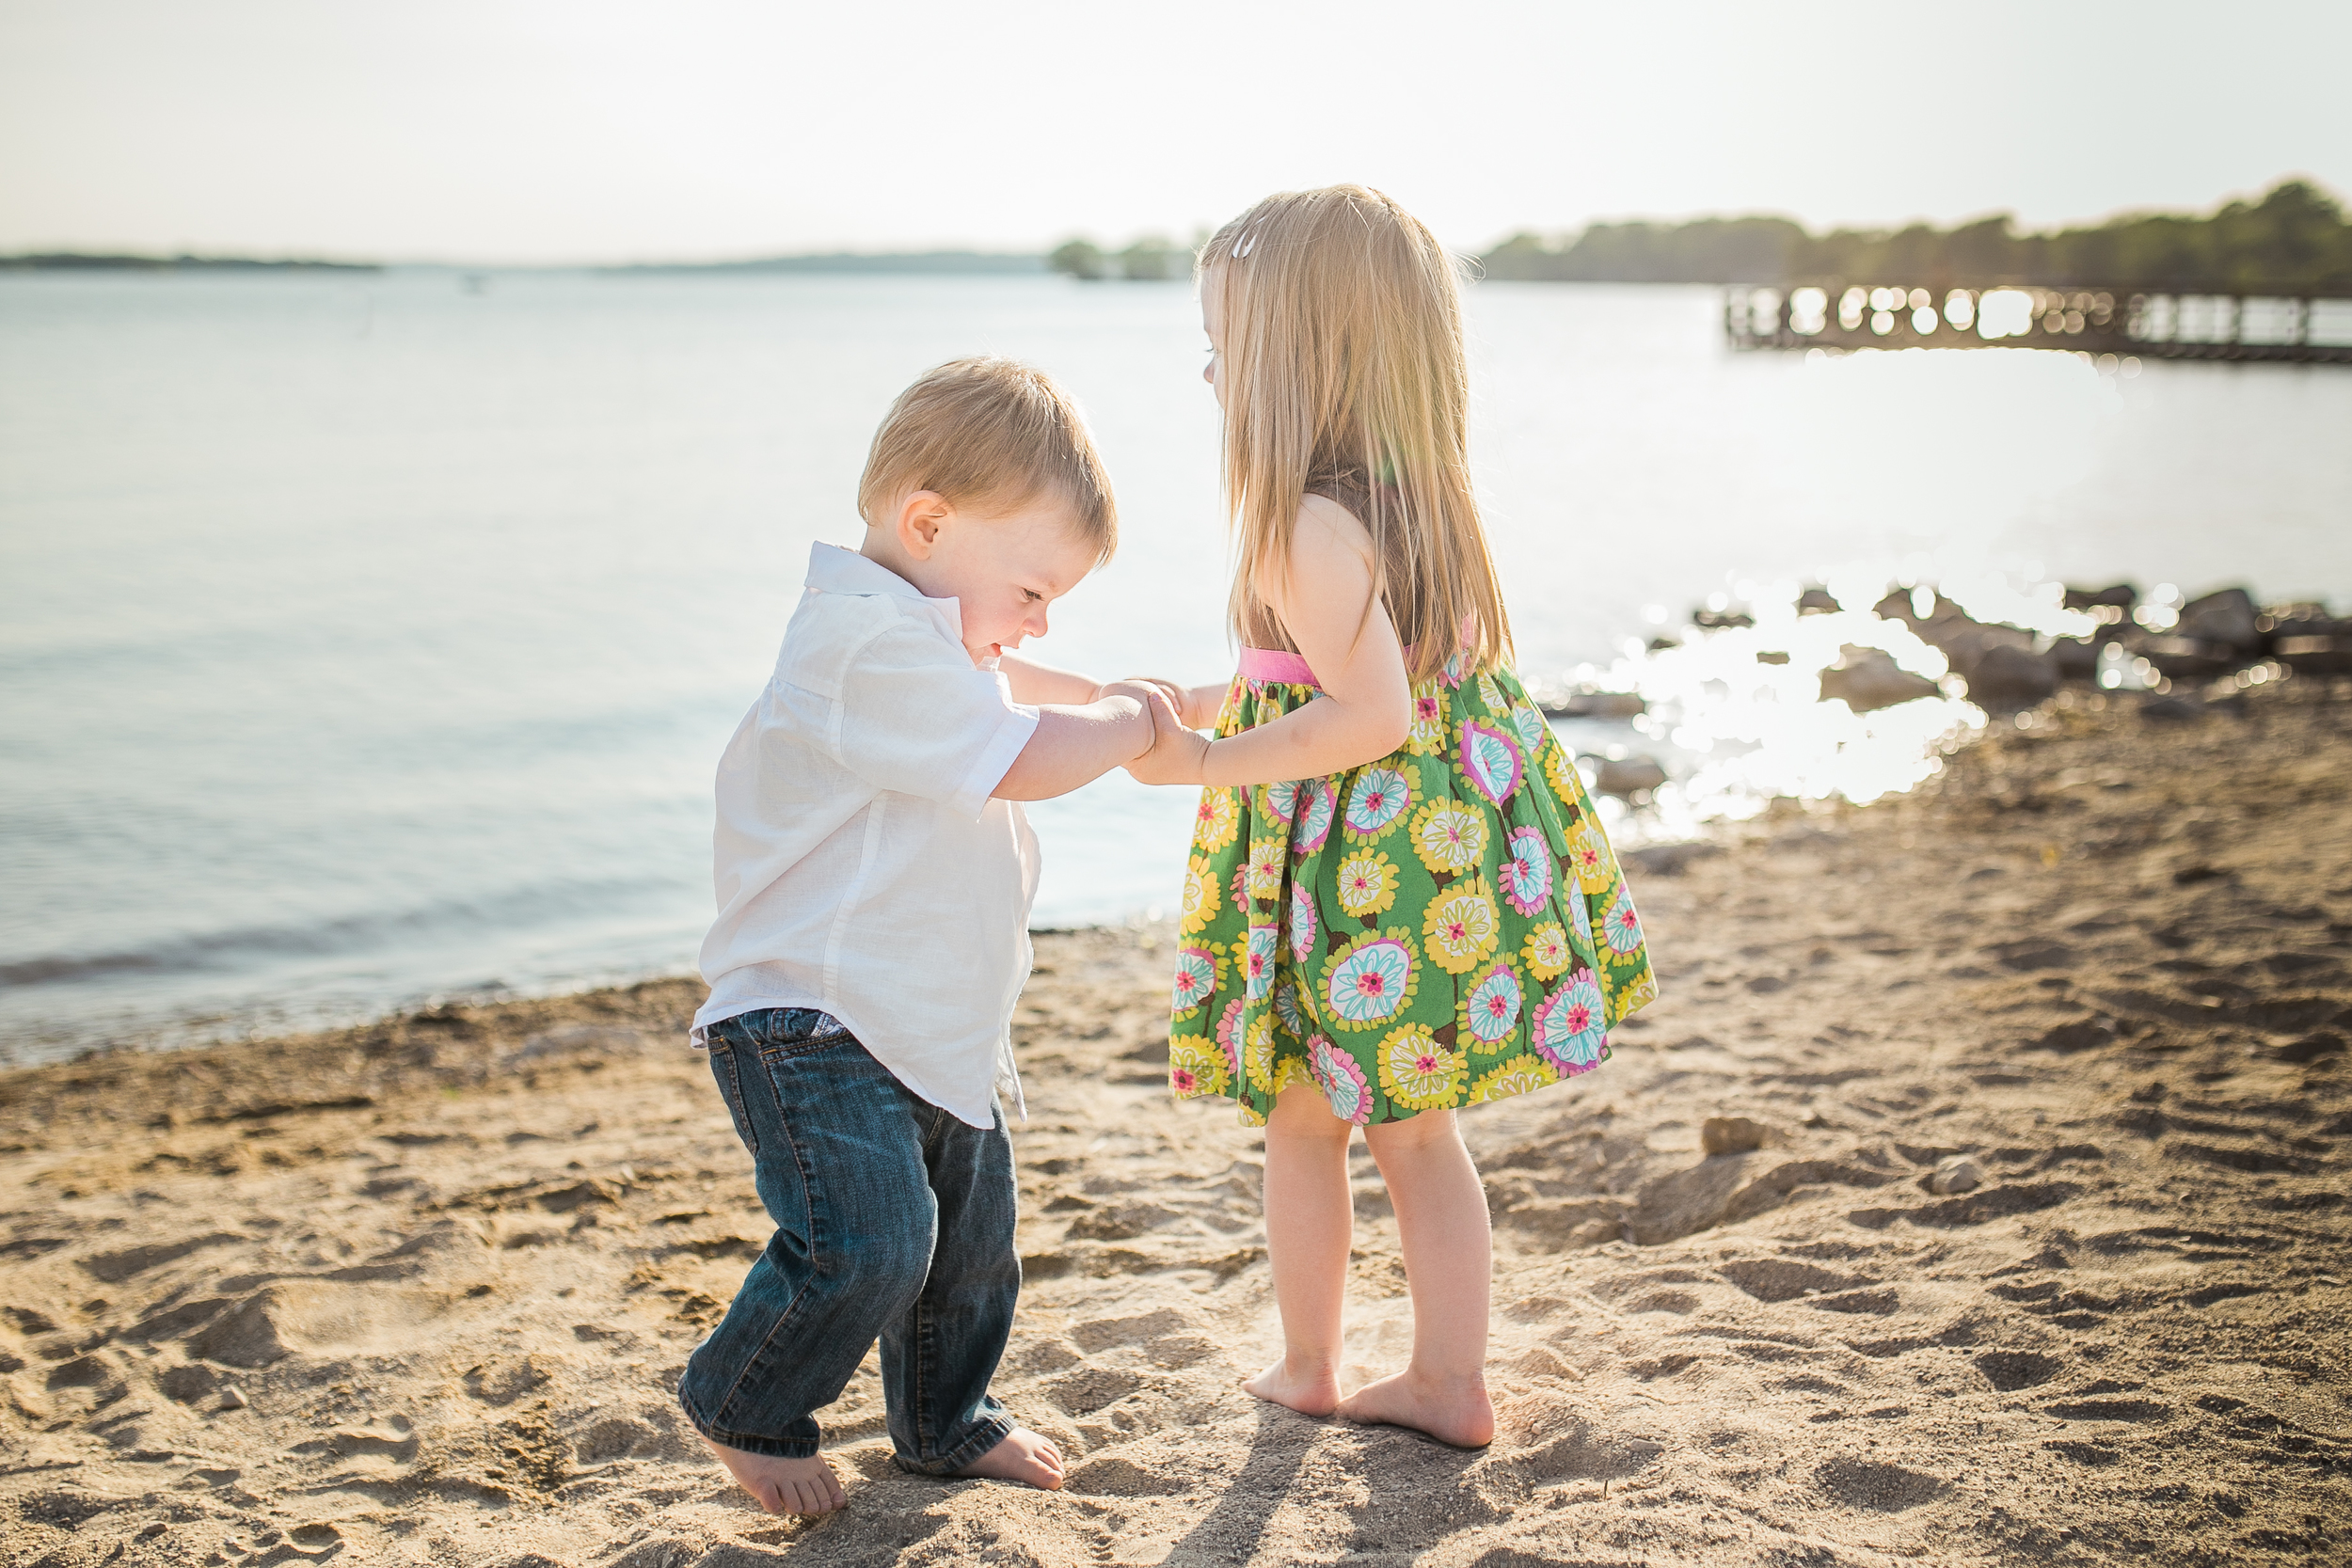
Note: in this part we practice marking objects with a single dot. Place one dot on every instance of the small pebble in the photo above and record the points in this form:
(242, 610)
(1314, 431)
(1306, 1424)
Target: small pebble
(1956, 1174)
(232, 1397)
(1730, 1135)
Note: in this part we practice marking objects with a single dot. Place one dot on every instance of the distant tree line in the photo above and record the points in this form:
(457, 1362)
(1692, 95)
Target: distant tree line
(67, 260)
(2294, 238)
(1151, 259)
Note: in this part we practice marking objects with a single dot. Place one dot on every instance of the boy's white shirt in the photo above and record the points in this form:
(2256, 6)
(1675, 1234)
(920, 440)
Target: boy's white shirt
(863, 865)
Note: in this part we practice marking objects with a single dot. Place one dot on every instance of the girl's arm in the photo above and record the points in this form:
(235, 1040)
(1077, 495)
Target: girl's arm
(1325, 603)
(1201, 703)
(1036, 683)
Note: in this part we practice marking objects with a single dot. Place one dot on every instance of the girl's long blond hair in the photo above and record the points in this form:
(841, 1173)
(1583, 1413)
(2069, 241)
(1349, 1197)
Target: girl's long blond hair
(1342, 366)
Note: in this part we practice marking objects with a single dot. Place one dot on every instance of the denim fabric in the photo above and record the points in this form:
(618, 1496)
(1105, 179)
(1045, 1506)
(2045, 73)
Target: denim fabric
(892, 1218)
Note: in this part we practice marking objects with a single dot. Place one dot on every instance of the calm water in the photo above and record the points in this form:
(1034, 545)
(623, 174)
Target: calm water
(366, 641)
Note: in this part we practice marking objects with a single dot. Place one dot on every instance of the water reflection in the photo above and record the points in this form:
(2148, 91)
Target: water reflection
(1763, 699)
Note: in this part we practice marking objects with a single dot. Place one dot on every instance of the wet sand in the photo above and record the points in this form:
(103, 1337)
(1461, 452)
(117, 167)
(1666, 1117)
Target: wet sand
(417, 1293)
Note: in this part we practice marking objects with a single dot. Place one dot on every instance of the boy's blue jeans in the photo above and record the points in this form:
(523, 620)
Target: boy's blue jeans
(894, 1219)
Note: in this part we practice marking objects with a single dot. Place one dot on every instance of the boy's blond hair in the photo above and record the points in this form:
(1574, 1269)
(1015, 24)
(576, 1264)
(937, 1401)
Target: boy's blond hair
(990, 434)
(1343, 362)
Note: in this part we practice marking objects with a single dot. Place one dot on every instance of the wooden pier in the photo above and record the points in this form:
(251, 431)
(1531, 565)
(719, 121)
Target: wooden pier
(2126, 323)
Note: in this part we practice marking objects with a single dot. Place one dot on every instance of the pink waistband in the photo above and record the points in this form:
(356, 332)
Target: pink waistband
(1272, 664)
(1287, 669)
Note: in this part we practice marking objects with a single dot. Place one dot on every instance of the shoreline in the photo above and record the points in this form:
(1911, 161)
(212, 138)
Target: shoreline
(417, 1290)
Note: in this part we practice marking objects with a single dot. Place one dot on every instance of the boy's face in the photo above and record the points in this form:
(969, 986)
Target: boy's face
(1003, 571)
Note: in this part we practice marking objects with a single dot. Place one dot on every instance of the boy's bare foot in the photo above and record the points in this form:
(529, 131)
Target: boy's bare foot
(1452, 1410)
(1022, 1456)
(1311, 1393)
(783, 1485)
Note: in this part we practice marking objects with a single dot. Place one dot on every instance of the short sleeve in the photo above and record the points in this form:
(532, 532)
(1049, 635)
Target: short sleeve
(917, 717)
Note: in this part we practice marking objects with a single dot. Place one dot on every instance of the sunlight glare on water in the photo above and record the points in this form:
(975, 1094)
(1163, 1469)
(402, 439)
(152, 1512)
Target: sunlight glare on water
(365, 639)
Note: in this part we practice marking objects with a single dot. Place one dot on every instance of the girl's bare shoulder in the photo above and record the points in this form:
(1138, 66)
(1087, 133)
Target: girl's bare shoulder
(1325, 525)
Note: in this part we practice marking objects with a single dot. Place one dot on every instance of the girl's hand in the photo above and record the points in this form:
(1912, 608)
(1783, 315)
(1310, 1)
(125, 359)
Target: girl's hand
(1196, 705)
(1176, 754)
(1134, 684)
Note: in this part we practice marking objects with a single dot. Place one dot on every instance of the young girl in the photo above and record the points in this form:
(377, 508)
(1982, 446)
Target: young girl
(1399, 901)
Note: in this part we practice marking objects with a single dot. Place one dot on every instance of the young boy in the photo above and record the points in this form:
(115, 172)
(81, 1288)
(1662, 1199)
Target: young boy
(874, 880)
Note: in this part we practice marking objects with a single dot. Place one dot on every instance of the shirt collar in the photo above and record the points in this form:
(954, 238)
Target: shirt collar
(834, 570)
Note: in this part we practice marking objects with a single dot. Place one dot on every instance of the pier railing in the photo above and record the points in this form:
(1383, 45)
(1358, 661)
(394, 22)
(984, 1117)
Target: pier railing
(2312, 328)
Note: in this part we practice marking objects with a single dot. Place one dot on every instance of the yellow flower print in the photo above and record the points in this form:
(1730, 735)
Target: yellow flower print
(1560, 768)
(1257, 1053)
(1201, 894)
(1589, 859)
(1448, 836)
(1194, 1067)
(1265, 869)
(1546, 950)
(1293, 1071)
(1491, 694)
(1519, 1075)
(1217, 819)
(1431, 703)
(1461, 926)
(1418, 1072)
(1368, 881)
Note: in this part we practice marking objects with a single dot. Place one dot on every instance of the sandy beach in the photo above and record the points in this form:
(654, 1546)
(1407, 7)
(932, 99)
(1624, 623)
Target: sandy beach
(417, 1293)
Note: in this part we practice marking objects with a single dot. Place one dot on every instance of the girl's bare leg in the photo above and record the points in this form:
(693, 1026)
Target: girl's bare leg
(1308, 1214)
(1449, 1260)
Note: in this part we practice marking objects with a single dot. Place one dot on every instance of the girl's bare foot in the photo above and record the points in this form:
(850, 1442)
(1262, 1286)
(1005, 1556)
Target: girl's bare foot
(1452, 1410)
(1315, 1392)
(783, 1485)
(1022, 1456)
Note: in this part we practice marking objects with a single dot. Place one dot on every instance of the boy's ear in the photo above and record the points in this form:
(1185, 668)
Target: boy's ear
(920, 517)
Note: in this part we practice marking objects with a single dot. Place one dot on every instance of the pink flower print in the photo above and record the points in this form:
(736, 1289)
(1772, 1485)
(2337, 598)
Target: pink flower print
(1229, 1036)
(1491, 1011)
(1302, 922)
(1527, 876)
(1490, 758)
(1259, 959)
(1196, 977)
(1370, 983)
(1568, 1029)
(1342, 1080)
(1621, 927)
(1314, 818)
(1379, 799)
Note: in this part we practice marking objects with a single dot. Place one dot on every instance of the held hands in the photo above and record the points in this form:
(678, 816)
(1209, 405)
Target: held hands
(1173, 752)
(1178, 756)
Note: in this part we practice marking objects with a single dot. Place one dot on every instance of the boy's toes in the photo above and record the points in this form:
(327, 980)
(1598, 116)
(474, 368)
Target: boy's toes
(1024, 1456)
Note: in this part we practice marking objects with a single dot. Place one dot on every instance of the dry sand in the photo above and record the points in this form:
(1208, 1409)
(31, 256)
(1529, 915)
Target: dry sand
(418, 1291)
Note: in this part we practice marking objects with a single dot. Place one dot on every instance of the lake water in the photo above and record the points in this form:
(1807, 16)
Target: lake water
(365, 640)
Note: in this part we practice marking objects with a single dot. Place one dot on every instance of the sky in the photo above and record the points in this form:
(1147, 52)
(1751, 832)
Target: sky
(561, 131)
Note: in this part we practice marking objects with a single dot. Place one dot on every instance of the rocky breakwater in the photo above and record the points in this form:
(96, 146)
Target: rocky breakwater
(1664, 727)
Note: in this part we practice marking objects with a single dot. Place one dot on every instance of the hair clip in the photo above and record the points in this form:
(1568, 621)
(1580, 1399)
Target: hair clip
(1242, 245)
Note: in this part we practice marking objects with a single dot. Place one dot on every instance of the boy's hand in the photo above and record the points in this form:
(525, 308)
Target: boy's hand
(1177, 753)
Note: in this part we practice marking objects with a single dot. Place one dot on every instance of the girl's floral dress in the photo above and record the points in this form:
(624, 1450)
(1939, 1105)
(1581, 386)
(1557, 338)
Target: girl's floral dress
(1443, 926)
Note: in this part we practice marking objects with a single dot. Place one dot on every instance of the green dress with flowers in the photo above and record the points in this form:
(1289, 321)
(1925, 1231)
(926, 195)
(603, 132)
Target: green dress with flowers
(1440, 928)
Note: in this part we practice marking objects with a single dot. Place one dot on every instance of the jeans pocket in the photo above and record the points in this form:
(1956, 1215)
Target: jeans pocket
(825, 1033)
(723, 1067)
